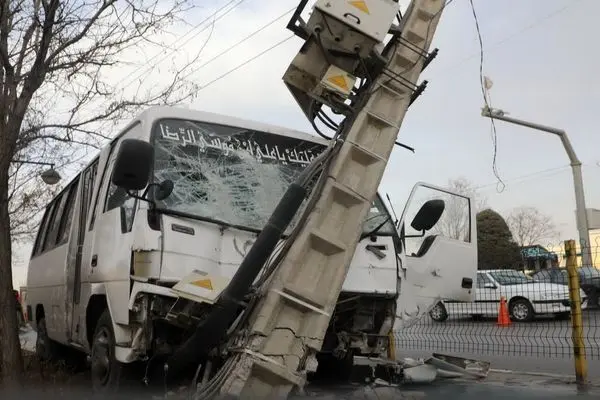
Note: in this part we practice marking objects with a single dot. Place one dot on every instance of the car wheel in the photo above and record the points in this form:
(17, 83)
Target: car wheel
(105, 369)
(438, 313)
(521, 310)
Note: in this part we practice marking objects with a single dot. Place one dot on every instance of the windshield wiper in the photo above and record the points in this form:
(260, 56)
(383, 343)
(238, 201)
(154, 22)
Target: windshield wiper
(375, 230)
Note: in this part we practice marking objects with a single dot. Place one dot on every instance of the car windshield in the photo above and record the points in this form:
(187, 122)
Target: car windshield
(589, 272)
(234, 174)
(541, 276)
(510, 277)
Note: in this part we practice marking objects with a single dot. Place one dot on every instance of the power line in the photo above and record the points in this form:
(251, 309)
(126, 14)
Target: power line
(281, 42)
(254, 33)
(486, 99)
(177, 41)
(179, 45)
(539, 174)
(497, 44)
(246, 62)
(533, 175)
(485, 94)
(448, 2)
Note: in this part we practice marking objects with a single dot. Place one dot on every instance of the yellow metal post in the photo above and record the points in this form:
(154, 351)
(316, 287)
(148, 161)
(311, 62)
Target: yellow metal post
(576, 314)
(391, 346)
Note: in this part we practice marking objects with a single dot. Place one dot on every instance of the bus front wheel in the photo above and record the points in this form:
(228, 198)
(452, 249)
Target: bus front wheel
(105, 368)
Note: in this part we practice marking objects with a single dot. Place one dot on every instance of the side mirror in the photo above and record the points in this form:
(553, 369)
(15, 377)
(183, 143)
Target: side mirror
(428, 215)
(133, 165)
(163, 190)
(489, 286)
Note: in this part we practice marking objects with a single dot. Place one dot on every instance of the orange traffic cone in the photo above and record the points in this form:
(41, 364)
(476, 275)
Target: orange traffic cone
(503, 317)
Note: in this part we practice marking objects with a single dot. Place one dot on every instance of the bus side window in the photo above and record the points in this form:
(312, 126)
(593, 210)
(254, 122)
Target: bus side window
(89, 178)
(39, 240)
(126, 204)
(118, 197)
(50, 238)
(97, 204)
(65, 223)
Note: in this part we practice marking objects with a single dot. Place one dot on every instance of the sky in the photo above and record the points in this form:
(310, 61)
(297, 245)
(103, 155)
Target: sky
(537, 53)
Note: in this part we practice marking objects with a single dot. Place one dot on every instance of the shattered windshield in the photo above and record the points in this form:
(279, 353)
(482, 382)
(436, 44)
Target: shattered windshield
(233, 174)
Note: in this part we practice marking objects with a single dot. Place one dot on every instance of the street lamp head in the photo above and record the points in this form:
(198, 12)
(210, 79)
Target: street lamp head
(50, 176)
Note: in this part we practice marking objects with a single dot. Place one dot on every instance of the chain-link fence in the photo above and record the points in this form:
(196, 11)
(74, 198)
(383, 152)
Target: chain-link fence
(522, 311)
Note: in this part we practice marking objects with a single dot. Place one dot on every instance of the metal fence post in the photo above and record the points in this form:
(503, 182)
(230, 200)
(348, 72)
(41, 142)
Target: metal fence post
(576, 314)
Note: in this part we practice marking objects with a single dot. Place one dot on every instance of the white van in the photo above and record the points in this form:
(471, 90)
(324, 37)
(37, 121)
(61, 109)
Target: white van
(130, 276)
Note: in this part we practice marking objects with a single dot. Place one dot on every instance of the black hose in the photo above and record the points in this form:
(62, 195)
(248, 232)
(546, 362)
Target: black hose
(211, 331)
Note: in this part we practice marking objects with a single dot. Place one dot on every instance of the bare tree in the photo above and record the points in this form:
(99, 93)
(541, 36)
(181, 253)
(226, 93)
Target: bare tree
(56, 94)
(529, 226)
(455, 221)
(465, 187)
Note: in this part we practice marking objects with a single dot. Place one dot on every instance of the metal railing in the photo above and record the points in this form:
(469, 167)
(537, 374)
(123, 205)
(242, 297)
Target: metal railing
(551, 312)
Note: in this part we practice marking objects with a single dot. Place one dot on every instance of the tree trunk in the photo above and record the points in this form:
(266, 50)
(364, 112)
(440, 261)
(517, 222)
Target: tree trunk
(11, 359)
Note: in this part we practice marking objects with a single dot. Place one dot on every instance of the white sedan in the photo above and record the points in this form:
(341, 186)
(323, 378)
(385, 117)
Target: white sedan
(525, 298)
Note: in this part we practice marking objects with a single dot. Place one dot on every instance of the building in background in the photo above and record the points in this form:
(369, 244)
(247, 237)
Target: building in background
(595, 249)
(537, 258)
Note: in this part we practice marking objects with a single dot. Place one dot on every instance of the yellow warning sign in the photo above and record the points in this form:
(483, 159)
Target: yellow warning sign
(203, 283)
(361, 5)
(339, 81)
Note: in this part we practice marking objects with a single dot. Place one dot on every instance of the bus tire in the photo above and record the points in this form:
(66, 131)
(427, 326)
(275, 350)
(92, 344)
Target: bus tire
(105, 369)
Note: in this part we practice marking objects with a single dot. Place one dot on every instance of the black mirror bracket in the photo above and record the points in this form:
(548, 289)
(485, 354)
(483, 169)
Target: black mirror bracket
(142, 198)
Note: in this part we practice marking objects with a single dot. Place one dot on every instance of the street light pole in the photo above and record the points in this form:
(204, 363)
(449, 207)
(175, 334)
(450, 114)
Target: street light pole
(49, 176)
(582, 221)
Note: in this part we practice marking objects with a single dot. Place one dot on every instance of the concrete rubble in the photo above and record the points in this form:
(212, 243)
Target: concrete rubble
(412, 373)
(438, 366)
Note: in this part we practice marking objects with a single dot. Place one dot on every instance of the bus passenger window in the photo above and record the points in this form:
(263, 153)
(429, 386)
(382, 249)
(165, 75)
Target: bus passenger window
(65, 224)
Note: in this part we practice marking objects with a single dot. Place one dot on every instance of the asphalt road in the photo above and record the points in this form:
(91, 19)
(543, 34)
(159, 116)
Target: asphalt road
(544, 345)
